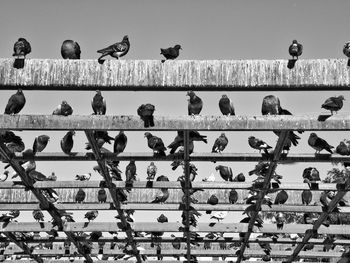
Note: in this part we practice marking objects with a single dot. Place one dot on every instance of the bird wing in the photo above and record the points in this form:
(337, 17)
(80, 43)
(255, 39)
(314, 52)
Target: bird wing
(330, 102)
(117, 47)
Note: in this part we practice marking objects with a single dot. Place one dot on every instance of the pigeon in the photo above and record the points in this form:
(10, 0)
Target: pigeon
(67, 142)
(220, 215)
(212, 200)
(295, 49)
(162, 219)
(233, 196)
(195, 104)
(38, 215)
(83, 177)
(311, 174)
(179, 140)
(225, 172)
(70, 50)
(226, 106)
(161, 198)
(40, 143)
(306, 197)
(95, 235)
(6, 218)
(145, 111)
(63, 109)
(116, 50)
(20, 49)
(151, 171)
(120, 142)
(260, 169)
(333, 104)
(130, 172)
(98, 104)
(258, 144)
(319, 144)
(239, 178)
(80, 196)
(220, 143)
(346, 51)
(176, 243)
(15, 103)
(52, 177)
(210, 178)
(4, 176)
(342, 148)
(155, 143)
(170, 53)
(102, 196)
(281, 197)
(280, 220)
(91, 215)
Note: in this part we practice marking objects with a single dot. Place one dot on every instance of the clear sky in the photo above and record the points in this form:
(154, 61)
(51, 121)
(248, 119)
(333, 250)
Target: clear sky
(205, 29)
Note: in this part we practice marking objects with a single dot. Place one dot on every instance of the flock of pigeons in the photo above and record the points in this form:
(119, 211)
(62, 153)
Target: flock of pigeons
(270, 106)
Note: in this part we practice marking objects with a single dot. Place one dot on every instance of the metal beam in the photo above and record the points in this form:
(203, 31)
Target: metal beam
(187, 193)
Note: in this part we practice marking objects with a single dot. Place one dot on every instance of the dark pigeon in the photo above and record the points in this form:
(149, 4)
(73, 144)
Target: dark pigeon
(91, 215)
(161, 198)
(40, 143)
(15, 103)
(176, 243)
(80, 196)
(295, 49)
(319, 144)
(239, 178)
(155, 143)
(342, 148)
(220, 143)
(67, 142)
(98, 104)
(212, 200)
(4, 176)
(6, 218)
(63, 109)
(195, 104)
(226, 106)
(306, 197)
(102, 196)
(258, 144)
(281, 197)
(179, 140)
(333, 104)
(116, 50)
(70, 50)
(101, 138)
(260, 169)
(13, 142)
(346, 51)
(38, 215)
(170, 53)
(20, 49)
(130, 173)
(83, 177)
(225, 172)
(145, 111)
(120, 142)
(233, 196)
(311, 174)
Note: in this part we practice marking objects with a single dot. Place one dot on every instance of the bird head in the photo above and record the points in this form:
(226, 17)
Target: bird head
(148, 135)
(223, 135)
(98, 92)
(19, 91)
(152, 163)
(64, 102)
(177, 47)
(218, 167)
(251, 138)
(126, 38)
(190, 93)
(295, 42)
(224, 96)
(313, 135)
(45, 138)
(72, 133)
(341, 97)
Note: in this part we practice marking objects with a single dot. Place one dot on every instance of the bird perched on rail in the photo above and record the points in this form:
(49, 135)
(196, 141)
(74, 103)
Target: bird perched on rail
(239, 178)
(4, 176)
(80, 196)
(226, 106)
(67, 142)
(225, 172)
(145, 111)
(130, 174)
(40, 143)
(91, 215)
(120, 142)
(70, 50)
(38, 215)
(258, 144)
(8, 217)
(295, 49)
(343, 148)
(170, 53)
(220, 215)
(15, 103)
(98, 104)
(83, 177)
(102, 195)
(306, 197)
(151, 171)
(281, 197)
(319, 144)
(156, 144)
(346, 51)
(63, 109)
(333, 104)
(220, 143)
(116, 50)
(280, 220)
(311, 174)
(195, 104)
(21, 48)
(232, 196)
(212, 200)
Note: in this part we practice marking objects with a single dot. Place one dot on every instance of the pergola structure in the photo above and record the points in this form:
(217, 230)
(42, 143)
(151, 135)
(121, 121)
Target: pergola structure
(175, 76)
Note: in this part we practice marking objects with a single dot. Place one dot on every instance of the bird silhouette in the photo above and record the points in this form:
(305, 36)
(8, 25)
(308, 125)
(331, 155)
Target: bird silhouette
(80, 196)
(226, 106)
(145, 111)
(195, 104)
(155, 143)
(225, 172)
(15, 103)
(102, 196)
(170, 53)
(333, 104)
(98, 104)
(220, 143)
(40, 143)
(63, 109)
(67, 142)
(21, 48)
(70, 50)
(295, 49)
(116, 50)
(319, 144)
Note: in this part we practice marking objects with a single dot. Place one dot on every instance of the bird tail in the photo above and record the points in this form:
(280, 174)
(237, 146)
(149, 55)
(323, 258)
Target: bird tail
(328, 149)
(293, 138)
(151, 121)
(251, 172)
(18, 63)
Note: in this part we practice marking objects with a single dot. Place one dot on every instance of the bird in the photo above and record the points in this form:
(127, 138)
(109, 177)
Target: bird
(333, 104)
(261, 168)
(70, 50)
(67, 142)
(83, 177)
(212, 200)
(15, 103)
(176, 243)
(95, 235)
(8, 217)
(220, 143)
(91, 215)
(232, 196)
(40, 143)
(38, 215)
(98, 104)
(52, 177)
(116, 50)
(281, 197)
(306, 197)
(161, 198)
(179, 140)
(145, 111)
(311, 174)
(21, 48)
(225, 172)
(170, 53)
(130, 172)
(346, 51)
(226, 106)
(151, 171)
(195, 104)
(80, 196)
(162, 219)
(295, 49)
(239, 178)
(63, 109)
(280, 220)
(210, 178)
(4, 176)
(102, 196)
(220, 215)
(342, 148)
(258, 144)
(120, 142)
(319, 144)
(155, 143)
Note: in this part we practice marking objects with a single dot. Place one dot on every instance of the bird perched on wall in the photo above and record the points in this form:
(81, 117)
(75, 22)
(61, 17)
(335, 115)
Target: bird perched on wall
(176, 243)
(306, 197)
(346, 51)
(195, 104)
(15, 103)
(155, 143)
(80, 196)
(220, 143)
(145, 111)
(40, 143)
(98, 104)
(170, 53)
(8, 217)
(261, 168)
(4, 176)
(70, 50)
(21, 48)
(225, 172)
(212, 200)
(333, 104)
(52, 177)
(220, 215)
(280, 220)
(226, 106)
(67, 142)
(91, 215)
(343, 148)
(130, 173)
(319, 144)
(63, 109)
(258, 144)
(281, 197)
(161, 198)
(38, 215)
(102, 196)
(83, 177)
(232, 196)
(311, 174)
(151, 171)
(295, 49)
(120, 142)
(116, 50)
(239, 178)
